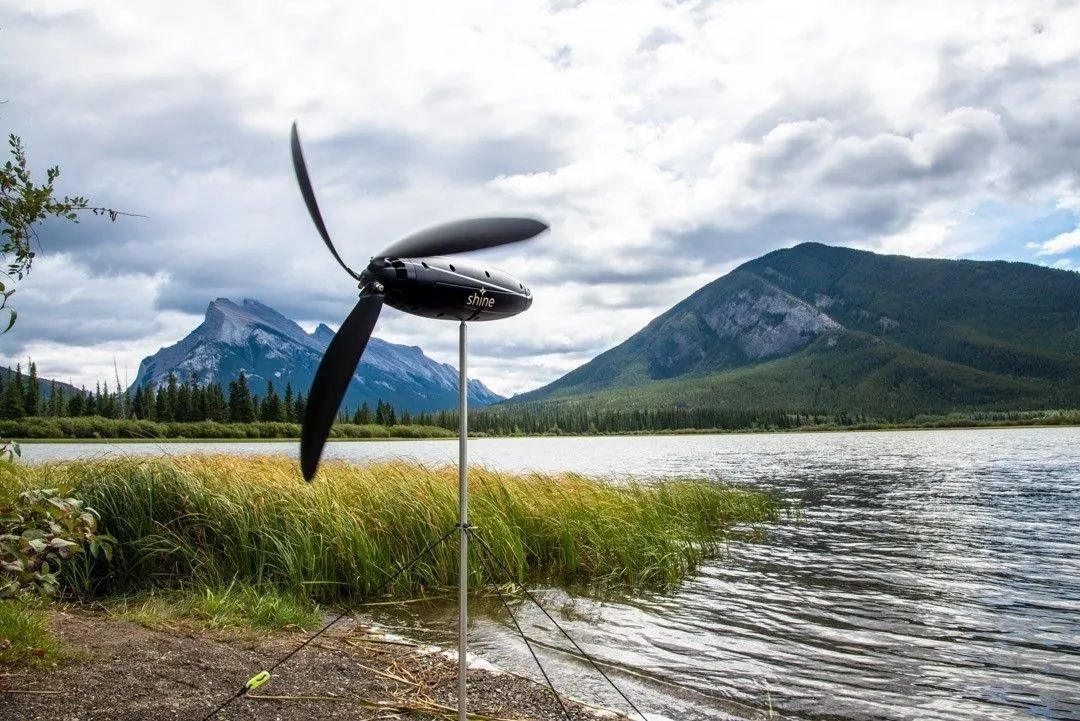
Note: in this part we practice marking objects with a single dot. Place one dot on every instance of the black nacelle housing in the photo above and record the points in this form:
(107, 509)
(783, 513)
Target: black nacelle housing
(447, 288)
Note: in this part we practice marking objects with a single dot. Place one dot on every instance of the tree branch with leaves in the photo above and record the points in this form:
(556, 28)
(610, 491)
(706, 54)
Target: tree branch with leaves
(24, 204)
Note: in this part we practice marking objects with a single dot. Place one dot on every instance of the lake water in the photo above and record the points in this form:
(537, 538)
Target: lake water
(936, 575)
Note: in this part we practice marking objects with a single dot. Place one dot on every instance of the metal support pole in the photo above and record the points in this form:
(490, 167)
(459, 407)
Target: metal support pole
(463, 523)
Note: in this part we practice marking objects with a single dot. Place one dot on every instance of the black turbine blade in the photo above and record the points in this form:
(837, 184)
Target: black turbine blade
(309, 198)
(461, 236)
(335, 371)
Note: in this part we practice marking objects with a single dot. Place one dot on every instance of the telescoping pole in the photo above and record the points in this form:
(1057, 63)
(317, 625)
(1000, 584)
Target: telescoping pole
(463, 523)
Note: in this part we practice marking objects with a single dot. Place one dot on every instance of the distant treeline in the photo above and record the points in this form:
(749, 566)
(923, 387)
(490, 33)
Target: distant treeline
(193, 410)
(550, 419)
(544, 419)
(489, 422)
(87, 427)
(179, 402)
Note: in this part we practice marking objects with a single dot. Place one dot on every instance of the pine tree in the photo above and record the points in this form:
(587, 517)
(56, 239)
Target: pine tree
(182, 410)
(271, 405)
(171, 398)
(241, 405)
(112, 402)
(363, 416)
(136, 404)
(300, 408)
(198, 399)
(106, 402)
(56, 400)
(32, 402)
(234, 402)
(75, 404)
(287, 405)
(12, 406)
(149, 399)
(217, 406)
(90, 402)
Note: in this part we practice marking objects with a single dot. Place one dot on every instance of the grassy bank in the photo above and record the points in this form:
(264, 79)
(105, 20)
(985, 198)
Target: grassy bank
(95, 427)
(212, 521)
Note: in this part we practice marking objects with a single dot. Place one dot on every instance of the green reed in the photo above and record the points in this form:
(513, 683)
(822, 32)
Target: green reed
(212, 520)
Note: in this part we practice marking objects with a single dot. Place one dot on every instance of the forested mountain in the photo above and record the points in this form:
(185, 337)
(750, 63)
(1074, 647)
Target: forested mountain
(816, 328)
(267, 347)
(23, 393)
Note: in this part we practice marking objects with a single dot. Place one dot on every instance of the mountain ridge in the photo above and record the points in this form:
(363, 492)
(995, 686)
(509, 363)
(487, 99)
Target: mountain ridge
(253, 338)
(974, 333)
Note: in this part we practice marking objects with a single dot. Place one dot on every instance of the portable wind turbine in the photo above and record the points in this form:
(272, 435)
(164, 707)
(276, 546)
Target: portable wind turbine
(413, 276)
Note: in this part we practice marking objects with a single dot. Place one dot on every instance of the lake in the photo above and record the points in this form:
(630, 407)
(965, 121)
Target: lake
(935, 575)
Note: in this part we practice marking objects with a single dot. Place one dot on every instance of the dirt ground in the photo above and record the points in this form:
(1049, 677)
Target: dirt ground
(126, 672)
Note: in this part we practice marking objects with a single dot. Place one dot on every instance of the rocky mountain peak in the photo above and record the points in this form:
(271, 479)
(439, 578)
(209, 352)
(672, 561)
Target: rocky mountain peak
(255, 339)
(231, 323)
(322, 334)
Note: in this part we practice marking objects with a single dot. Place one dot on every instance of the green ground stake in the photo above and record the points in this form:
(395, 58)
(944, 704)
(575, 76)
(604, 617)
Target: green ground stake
(257, 680)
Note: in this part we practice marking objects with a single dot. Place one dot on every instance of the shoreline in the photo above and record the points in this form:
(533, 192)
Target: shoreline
(118, 670)
(926, 426)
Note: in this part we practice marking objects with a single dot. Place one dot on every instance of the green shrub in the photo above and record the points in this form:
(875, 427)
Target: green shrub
(40, 531)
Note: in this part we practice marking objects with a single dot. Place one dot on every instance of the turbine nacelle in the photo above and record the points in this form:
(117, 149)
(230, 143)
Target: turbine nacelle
(447, 288)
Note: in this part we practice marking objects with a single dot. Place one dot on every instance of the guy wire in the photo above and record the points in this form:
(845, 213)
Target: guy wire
(343, 614)
(498, 591)
(491, 577)
(510, 577)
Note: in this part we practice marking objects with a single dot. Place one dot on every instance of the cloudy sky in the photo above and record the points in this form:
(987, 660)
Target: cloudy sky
(666, 142)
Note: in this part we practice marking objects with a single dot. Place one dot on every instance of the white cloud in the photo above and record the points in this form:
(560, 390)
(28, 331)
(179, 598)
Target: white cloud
(666, 142)
(923, 237)
(1059, 244)
(77, 326)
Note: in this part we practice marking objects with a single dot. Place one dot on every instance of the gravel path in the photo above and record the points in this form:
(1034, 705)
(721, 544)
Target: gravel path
(126, 672)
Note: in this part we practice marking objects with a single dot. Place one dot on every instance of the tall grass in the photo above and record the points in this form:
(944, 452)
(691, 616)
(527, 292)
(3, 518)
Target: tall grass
(25, 636)
(210, 520)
